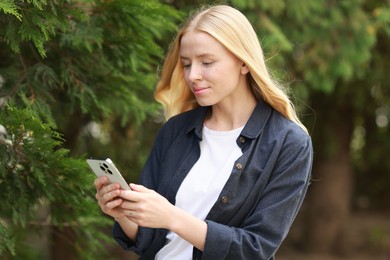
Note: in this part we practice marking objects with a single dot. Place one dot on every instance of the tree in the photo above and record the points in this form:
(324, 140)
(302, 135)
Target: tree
(371, 136)
(67, 67)
(326, 48)
(76, 79)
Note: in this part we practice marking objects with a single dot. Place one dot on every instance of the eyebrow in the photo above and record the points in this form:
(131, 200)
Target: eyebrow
(203, 55)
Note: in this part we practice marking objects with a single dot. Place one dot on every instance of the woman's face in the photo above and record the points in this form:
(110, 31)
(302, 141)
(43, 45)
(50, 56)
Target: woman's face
(213, 73)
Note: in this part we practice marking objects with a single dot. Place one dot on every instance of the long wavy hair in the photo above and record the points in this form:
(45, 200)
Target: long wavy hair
(233, 30)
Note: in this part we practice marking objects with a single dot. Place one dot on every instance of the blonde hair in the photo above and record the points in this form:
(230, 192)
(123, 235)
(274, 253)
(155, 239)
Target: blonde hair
(233, 30)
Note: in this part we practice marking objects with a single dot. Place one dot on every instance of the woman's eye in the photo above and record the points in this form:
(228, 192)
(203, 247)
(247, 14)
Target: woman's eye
(207, 63)
(186, 66)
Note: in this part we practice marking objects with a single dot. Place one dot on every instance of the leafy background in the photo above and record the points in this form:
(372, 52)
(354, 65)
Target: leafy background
(77, 80)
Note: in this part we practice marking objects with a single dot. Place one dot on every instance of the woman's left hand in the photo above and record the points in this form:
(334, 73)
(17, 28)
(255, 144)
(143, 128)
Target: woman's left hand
(146, 207)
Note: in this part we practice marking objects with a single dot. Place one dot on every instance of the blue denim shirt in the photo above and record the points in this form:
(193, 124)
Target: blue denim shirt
(258, 203)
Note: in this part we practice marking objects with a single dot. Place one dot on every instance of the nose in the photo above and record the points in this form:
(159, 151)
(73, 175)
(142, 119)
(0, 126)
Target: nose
(195, 74)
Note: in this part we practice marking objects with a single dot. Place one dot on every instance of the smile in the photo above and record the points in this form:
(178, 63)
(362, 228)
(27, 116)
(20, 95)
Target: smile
(198, 91)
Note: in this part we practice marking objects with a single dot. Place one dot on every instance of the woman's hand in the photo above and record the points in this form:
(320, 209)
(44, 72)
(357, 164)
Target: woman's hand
(107, 197)
(146, 207)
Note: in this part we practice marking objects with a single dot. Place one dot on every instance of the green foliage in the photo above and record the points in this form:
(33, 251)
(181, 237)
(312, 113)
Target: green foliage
(34, 21)
(36, 172)
(65, 65)
(100, 58)
(9, 7)
(322, 42)
(7, 242)
(381, 16)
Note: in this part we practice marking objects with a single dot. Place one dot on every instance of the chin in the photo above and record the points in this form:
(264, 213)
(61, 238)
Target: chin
(204, 103)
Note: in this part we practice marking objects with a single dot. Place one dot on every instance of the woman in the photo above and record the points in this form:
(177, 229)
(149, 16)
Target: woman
(230, 168)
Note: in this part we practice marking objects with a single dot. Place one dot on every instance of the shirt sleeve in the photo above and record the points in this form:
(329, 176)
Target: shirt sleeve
(149, 178)
(123, 240)
(263, 230)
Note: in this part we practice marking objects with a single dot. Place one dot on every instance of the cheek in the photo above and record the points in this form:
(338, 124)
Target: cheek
(213, 74)
(185, 77)
(225, 74)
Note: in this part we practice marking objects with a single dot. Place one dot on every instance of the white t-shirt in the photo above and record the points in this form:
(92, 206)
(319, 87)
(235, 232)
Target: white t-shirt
(201, 187)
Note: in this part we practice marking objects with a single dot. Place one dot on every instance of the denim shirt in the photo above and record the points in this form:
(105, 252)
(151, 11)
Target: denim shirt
(259, 201)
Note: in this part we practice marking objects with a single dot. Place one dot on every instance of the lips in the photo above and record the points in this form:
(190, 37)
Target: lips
(198, 91)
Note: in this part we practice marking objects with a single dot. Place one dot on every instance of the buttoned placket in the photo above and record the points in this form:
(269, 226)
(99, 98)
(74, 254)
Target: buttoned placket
(238, 166)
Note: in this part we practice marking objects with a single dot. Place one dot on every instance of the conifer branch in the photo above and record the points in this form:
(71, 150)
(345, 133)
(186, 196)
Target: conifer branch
(35, 53)
(28, 83)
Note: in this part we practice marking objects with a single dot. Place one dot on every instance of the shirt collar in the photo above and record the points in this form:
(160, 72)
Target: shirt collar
(252, 129)
(257, 120)
(196, 124)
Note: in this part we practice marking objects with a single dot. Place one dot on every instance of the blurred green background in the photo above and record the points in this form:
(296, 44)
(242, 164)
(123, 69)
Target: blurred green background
(77, 81)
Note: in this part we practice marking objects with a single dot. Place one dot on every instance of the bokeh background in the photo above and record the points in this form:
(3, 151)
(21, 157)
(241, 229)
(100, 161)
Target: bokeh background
(77, 80)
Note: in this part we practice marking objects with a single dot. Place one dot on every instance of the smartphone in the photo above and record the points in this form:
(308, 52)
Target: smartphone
(107, 168)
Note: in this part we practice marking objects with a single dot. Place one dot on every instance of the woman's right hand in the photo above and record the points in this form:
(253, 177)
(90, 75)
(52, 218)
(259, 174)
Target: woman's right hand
(107, 197)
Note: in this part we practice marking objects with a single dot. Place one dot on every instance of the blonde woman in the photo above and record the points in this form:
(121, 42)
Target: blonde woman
(230, 168)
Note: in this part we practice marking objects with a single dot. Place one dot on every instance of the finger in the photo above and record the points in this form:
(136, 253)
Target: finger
(100, 182)
(111, 206)
(137, 187)
(130, 195)
(109, 201)
(108, 188)
(109, 196)
(129, 205)
(113, 203)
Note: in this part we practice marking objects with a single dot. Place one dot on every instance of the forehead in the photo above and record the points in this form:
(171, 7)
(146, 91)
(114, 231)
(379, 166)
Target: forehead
(197, 43)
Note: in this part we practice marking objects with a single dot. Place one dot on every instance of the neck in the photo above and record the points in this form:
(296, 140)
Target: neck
(226, 117)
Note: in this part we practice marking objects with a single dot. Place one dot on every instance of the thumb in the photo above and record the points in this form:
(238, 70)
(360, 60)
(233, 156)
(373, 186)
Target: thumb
(137, 187)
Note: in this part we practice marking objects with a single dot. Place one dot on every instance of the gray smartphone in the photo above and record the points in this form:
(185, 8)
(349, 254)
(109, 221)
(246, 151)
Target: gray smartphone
(107, 168)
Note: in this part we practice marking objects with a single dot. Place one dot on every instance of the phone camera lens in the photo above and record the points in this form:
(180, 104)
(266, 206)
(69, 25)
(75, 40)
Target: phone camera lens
(109, 171)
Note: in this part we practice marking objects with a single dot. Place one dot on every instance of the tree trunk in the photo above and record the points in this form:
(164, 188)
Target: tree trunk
(62, 239)
(330, 193)
(62, 246)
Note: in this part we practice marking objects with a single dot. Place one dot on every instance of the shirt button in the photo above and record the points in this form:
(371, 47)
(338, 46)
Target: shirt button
(242, 139)
(239, 166)
(224, 199)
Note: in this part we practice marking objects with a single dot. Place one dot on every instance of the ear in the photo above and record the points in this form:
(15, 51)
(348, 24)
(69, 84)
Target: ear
(244, 69)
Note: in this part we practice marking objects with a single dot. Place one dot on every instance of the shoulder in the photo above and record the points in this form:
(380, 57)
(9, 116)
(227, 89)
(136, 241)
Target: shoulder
(289, 142)
(267, 123)
(284, 130)
(184, 123)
